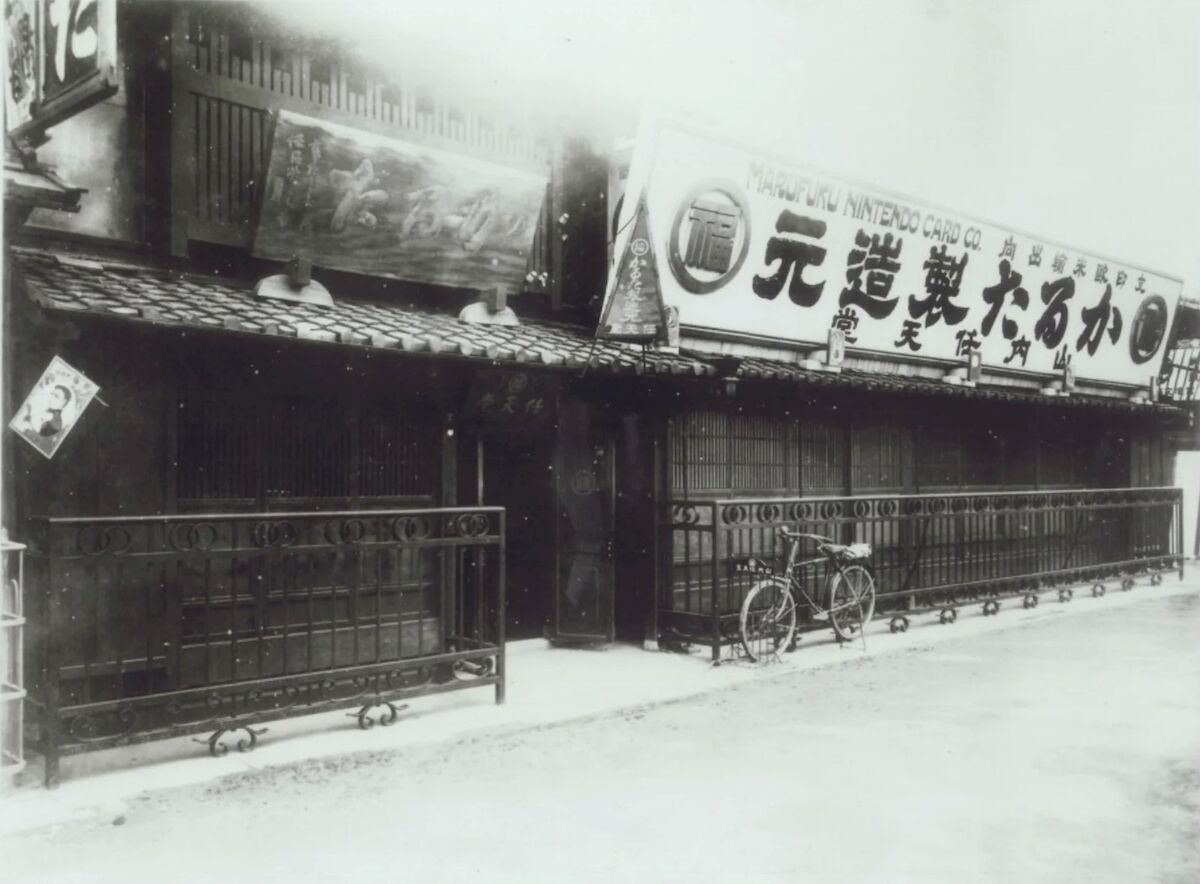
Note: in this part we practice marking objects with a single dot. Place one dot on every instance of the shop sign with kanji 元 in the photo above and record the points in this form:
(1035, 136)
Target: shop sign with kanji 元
(769, 249)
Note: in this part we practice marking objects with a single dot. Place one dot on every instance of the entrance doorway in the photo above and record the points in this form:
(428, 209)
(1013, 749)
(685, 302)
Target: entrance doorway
(516, 475)
(559, 489)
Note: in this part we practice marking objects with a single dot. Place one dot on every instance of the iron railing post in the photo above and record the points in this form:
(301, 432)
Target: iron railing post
(500, 610)
(714, 587)
(50, 724)
(1177, 506)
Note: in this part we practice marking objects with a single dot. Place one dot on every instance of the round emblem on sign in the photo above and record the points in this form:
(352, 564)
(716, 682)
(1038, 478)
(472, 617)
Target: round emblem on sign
(639, 247)
(583, 482)
(1149, 329)
(709, 237)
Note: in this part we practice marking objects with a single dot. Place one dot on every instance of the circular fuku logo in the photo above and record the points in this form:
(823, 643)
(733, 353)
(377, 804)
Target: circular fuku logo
(709, 236)
(1149, 329)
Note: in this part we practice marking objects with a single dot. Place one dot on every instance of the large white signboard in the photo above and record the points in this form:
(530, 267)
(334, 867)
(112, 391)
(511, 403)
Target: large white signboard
(753, 246)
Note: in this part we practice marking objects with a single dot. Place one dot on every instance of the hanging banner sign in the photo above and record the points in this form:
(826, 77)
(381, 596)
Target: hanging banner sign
(53, 407)
(634, 309)
(368, 204)
(61, 59)
(772, 250)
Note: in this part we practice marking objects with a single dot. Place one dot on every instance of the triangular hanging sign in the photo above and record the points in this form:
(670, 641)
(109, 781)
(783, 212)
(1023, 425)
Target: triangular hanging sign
(635, 311)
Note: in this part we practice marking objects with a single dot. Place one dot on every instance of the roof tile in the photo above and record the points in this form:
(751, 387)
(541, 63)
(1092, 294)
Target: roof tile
(172, 298)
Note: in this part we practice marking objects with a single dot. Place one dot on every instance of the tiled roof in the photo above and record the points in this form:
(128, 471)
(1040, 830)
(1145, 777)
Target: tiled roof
(166, 297)
(172, 298)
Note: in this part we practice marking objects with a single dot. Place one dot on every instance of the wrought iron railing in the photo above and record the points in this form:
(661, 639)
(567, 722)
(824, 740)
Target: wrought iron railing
(930, 550)
(158, 626)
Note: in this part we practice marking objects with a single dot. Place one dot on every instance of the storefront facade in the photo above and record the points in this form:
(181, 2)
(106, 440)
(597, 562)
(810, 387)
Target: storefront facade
(280, 507)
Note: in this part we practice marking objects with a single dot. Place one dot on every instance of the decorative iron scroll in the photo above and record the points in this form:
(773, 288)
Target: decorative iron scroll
(192, 536)
(103, 540)
(407, 529)
(273, 534)
(235, 707)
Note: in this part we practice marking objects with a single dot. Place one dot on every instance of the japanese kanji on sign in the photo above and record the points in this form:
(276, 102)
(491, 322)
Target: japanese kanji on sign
(634, 308)
(516, 399)
(769, 249)
(61, 60)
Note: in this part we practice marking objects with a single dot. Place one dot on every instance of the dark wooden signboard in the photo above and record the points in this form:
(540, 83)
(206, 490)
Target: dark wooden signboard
(361, 202)
(513, 399)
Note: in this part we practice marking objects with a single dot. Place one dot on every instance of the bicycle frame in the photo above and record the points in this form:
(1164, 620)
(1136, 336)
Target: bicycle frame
(793, 568)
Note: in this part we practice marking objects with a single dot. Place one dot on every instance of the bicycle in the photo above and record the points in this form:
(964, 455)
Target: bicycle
(768, 616)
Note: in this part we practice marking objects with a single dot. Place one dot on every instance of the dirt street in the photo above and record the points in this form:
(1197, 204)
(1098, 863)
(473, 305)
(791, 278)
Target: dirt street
(1063, 750)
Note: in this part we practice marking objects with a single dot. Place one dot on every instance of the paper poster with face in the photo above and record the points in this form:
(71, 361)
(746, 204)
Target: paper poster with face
(53, 407)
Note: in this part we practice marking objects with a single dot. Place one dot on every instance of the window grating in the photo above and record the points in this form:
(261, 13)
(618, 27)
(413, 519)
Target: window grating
(285, 449)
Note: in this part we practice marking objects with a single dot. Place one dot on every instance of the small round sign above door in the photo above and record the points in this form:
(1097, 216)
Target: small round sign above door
(584, 482)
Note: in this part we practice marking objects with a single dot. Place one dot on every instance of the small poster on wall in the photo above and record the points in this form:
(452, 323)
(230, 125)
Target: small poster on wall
(53, 407)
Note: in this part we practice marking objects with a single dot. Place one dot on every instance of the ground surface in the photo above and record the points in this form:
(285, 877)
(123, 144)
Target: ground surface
(1061, 750)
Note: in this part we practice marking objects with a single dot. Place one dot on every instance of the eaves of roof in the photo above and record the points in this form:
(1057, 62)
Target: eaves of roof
(138, 292)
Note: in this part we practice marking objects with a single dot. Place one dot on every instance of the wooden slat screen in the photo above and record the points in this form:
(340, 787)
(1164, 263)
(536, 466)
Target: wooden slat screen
(937, 456)
(231, 151)
(879, 455)
(735, 453)
(275, 450)
(217, 451)
(823, 455)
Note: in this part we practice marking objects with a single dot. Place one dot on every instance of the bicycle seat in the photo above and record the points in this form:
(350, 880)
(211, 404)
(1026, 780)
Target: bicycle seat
(846, 552)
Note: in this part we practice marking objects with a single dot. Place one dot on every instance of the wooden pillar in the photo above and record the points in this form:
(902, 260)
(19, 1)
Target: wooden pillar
(183, 134)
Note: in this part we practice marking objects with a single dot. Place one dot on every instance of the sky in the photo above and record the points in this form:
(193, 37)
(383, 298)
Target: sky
(1076, 121)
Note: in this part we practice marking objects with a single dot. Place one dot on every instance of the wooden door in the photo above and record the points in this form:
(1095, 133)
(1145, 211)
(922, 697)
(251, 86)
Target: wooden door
(585, 488)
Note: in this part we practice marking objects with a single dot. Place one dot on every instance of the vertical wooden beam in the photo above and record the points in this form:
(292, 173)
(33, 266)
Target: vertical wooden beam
(449, 490)
(660, 540)
(170, 417)
(554, 231)
(849, 426)
(183, 134)
(1037, 446)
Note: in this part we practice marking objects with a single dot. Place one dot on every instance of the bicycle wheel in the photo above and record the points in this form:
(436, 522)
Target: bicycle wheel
(768, 619)
(851, 601)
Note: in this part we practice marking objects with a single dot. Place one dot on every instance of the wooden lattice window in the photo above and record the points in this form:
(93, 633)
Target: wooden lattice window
(714, 452)
(217, 453)
(257, 453)
(822, 455)
(938, 457)
(879, 454)
(982, 455)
